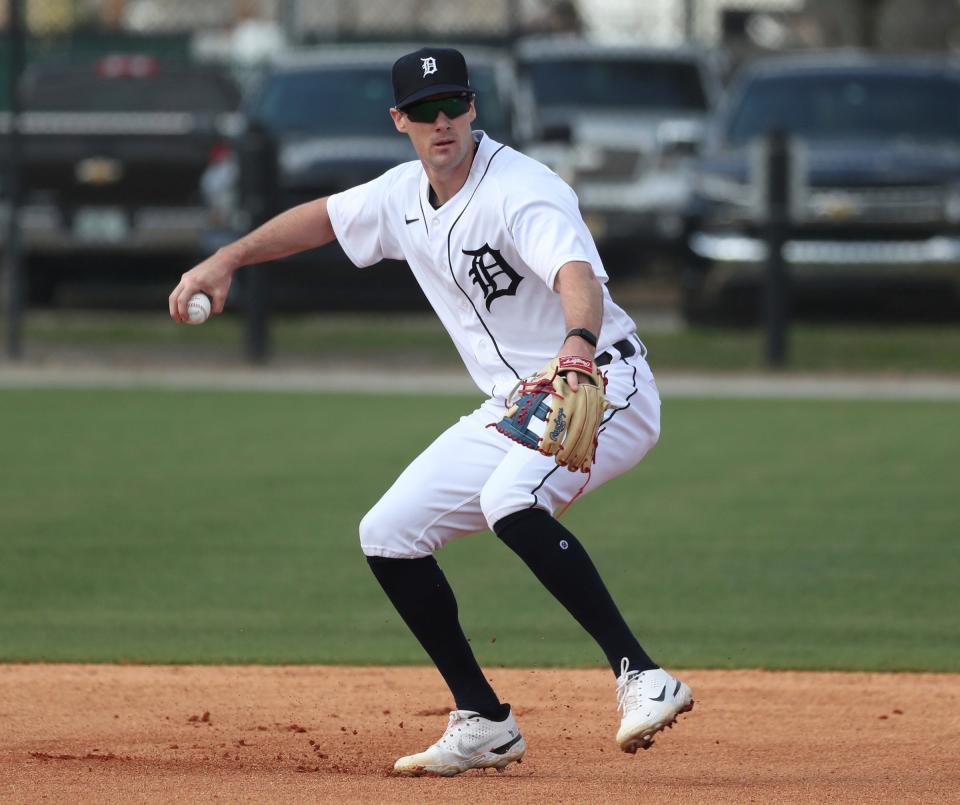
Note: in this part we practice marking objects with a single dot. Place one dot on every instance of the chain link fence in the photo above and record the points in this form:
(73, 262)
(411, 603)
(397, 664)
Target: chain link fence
(245, 32)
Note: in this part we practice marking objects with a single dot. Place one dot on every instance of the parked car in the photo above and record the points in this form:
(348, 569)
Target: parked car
(622, 125)
(112, 156)
(882, 208)
(327, 112)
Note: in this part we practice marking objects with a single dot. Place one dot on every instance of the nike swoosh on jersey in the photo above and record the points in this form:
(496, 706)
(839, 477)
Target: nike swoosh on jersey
(410, 220)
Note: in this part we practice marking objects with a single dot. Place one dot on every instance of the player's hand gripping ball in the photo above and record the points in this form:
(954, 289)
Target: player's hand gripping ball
(198, 308)
(571, 420)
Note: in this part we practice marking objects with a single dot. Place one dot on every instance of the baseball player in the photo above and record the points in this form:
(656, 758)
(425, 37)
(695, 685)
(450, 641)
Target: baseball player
(498, 245)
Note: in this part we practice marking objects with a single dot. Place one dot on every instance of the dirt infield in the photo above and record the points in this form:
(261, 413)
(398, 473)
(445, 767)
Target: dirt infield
(125, 734)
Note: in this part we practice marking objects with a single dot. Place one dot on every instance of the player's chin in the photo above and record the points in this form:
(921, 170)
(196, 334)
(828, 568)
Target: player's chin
(441, 155)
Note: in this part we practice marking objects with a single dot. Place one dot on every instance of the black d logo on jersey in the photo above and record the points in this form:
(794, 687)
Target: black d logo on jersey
(492, 273)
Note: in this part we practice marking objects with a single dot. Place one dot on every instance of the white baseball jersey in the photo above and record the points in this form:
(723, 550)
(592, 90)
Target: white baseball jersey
(486, 260)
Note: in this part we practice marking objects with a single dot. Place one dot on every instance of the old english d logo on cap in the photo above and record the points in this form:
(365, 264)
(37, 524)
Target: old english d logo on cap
(429, 71)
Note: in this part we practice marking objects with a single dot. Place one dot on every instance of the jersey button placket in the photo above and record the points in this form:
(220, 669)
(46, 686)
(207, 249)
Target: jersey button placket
(438, 244)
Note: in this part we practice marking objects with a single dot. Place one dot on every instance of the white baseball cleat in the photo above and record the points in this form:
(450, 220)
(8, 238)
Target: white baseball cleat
(469, 742)
(650, 701)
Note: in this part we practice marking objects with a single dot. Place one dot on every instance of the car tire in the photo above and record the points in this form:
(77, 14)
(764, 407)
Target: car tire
(40, 285)
(733, 305)
(697, 306)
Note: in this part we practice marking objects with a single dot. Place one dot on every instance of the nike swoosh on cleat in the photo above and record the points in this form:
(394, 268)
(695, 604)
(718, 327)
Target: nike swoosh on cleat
(660, 697)
(410, 220)
(501, 750)
(676, 690)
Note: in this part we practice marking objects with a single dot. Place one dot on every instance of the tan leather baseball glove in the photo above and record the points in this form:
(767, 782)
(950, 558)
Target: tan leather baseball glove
(571, 418)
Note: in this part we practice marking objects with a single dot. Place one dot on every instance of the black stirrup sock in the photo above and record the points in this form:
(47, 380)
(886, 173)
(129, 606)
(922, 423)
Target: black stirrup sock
(421, 594)
(560, 562)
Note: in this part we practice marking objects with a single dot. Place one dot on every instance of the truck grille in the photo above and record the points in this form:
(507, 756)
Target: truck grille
(897, 205)
(613, 164)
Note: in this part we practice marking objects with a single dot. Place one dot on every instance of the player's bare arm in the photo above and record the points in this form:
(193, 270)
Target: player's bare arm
(306, 226)
(582, 298)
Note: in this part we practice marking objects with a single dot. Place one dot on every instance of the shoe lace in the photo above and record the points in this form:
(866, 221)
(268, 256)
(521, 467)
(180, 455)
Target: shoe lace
(456, 716)
(628, 693)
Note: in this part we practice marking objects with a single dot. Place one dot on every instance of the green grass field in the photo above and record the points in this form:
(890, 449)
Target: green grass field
(208, 527)
(420, 339)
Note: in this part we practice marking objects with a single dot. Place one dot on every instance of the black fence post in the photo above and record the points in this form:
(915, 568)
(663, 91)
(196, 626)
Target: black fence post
(258, 171)
(776, 284)
(13, 251)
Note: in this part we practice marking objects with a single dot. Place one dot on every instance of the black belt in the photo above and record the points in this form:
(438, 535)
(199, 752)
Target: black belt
(625, 348)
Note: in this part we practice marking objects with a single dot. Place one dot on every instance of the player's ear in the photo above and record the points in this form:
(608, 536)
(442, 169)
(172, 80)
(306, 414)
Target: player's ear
(399, 119)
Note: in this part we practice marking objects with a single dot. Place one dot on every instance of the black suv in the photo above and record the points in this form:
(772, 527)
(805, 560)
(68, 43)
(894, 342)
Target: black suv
(879, 221)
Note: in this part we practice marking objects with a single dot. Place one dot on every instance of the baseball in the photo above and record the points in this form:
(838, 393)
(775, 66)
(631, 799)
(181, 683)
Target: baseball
(198, 308)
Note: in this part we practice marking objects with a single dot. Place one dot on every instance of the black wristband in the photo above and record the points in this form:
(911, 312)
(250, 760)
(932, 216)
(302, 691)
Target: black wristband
(584, 333)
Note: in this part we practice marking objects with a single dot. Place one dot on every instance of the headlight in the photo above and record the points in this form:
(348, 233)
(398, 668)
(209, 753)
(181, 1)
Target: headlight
(724, 201)
(721, 188)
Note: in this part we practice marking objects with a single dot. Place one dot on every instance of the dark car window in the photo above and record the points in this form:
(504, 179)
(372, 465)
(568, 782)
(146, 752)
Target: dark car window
(923, 108)
(81, 90)
(347, 102)
(352, 102)
(619, 83)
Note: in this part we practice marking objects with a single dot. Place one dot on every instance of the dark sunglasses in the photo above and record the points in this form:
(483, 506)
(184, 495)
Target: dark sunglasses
(427, 111)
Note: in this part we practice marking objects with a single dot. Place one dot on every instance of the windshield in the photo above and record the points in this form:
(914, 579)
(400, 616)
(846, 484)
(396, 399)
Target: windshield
(850, 107)
(176, 91)
(354, 101)
(628, 84)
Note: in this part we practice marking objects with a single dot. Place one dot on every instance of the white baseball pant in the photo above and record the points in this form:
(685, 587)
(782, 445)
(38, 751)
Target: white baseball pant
(471, 476)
